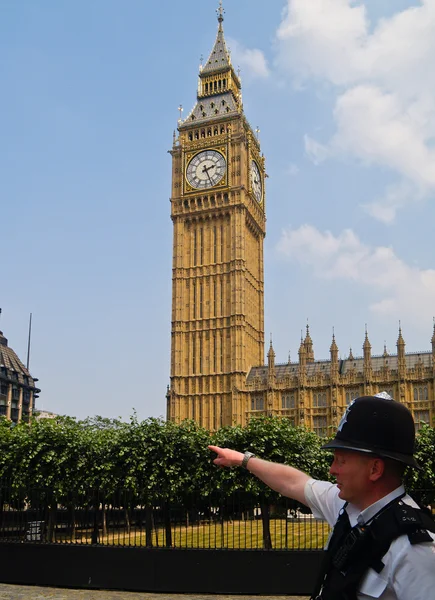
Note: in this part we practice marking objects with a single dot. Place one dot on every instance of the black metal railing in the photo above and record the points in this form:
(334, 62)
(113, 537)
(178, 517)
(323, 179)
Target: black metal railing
(152, 520)
(239, 521)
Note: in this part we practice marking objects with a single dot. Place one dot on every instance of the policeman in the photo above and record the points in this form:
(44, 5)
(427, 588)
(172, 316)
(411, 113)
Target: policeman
(382, 545)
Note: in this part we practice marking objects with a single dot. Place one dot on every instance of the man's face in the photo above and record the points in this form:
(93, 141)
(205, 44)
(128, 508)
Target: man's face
(352, 472)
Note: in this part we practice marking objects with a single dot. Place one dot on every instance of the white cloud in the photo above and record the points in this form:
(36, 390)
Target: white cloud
(384, 76)
(322, 38)
(315, 151)
(251, 61)
(377, 127)
(395, 197)
(293, 170)
(401, 289)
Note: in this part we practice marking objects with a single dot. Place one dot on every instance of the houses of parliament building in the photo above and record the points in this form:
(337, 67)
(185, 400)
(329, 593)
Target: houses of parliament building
(218, 209)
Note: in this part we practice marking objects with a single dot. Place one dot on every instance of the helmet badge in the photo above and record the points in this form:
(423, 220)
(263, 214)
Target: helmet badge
(344, 417)
(383, 395)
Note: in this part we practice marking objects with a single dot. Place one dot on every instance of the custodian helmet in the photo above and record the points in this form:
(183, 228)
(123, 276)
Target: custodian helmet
(377, 425)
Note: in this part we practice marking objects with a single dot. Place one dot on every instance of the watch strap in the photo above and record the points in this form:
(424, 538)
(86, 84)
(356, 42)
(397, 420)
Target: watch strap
(247, 456)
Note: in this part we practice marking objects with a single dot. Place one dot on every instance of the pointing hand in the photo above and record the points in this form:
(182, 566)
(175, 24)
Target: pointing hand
(227, 457)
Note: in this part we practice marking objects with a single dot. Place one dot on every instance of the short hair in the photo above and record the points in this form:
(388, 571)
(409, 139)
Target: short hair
(394, 467)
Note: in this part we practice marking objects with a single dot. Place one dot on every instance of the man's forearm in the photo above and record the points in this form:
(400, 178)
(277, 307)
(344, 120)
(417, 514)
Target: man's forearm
(286, 480)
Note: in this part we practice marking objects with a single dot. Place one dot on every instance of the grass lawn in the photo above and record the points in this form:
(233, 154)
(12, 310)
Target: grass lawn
(292, 534)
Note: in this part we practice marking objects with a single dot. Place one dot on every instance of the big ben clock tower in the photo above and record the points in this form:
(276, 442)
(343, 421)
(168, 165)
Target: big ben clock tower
(218, 213)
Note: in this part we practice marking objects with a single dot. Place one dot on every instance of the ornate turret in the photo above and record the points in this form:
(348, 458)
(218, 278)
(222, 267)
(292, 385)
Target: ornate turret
(385, 356)
(271, 360)
(302, 351)
(302, 362)
(350, 357)
(334, 349)
(367, 348)
(308, 343)
(433, 346)
(401, 362)
(334, 359)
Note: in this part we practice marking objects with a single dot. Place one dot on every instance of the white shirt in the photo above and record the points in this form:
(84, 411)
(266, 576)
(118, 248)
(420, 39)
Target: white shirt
(409, 572)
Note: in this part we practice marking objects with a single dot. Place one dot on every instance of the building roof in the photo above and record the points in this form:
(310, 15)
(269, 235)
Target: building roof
(219, 59)
(412, 360)
(10, 365)
(214, 107)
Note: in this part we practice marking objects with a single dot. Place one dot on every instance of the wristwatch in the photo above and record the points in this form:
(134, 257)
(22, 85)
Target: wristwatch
(246, 458)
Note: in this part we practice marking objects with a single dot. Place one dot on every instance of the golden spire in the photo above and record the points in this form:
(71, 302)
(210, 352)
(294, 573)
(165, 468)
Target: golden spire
(271, 350)
(302, 345)
(367, 345)
(400, 340)
(334, 347)
(219, 58)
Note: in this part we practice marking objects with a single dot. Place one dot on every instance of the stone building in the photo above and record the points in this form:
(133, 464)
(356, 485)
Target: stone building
(218, 209)
(315, 393)
(18, 391)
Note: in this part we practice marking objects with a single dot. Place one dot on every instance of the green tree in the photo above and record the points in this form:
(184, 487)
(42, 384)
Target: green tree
(421, 482)
(275, 439)
(162, 463)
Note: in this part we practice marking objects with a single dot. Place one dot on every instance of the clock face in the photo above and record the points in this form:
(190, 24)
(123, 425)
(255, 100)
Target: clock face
(257, 186)
(206, 169)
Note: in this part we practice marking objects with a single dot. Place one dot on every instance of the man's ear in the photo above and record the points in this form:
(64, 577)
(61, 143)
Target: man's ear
(377, 469)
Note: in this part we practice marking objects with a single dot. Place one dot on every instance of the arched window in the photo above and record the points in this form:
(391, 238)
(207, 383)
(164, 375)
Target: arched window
(320, 425)
(319, 399)
(288, 401)
(257, 402)
(422, 393)
(420, 417)
(351, 394)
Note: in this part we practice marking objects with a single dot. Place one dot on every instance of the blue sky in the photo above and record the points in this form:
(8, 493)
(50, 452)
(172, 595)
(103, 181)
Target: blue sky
(343, 93)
